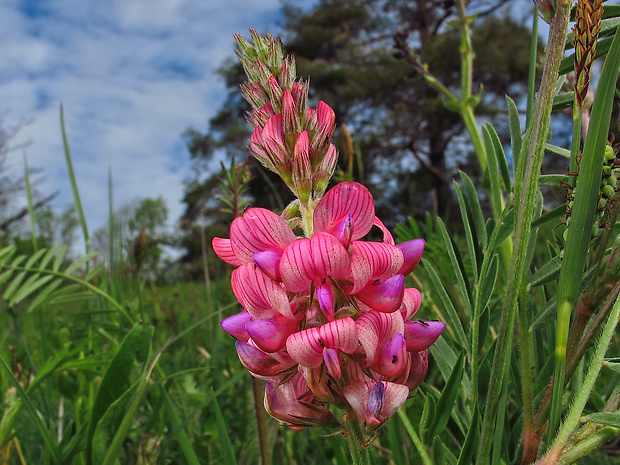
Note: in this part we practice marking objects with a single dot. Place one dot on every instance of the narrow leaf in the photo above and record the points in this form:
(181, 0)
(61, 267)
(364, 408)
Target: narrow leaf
(448, 397)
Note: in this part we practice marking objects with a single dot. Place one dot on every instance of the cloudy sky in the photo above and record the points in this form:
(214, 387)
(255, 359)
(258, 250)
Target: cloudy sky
(132, 75)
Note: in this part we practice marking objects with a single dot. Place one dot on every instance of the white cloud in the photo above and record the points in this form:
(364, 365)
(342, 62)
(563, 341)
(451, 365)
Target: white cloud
(131, 74)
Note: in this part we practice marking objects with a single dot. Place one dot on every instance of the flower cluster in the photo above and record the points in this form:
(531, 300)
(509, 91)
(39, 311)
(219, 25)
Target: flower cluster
(326, 317)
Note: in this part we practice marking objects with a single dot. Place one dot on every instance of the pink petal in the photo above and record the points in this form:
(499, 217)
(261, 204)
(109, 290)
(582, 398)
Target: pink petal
(340, 334)
(259, 294)
(258, 362)
(305, 348)
(345, 199)
(270, 334)
(344, 231)
(224, 250)
(419, 367)
(259, 229)
(282, 401)
(235, 325)
(295, 266)
(387, 236)
(332, 362)
(329, 257)
(412, 299)
(412, 251)
(384, 296)
(359, 397)
(269, 262)
(373, 260)
(326, 119)
(421, 335)
(377, 329)
(327, 301)
(273, 138)
(393, 359)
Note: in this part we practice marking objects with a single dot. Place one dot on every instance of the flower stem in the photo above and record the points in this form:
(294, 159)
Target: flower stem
(528, 186)
(263, 440)
(355, 439)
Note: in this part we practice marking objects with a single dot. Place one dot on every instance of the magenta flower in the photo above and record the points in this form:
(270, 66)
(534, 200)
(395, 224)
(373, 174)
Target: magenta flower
(329, 312)
(327, 318)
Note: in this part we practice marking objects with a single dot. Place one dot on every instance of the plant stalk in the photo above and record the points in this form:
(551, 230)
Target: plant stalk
(534, 151)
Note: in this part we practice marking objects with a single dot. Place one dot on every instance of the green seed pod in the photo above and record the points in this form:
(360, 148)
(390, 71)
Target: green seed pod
(607, 170)
(609, 153)
(608, 191)
(612, 181)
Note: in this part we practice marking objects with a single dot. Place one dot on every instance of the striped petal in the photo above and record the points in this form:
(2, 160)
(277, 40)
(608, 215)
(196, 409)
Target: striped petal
(258, 362)
(373, 260)
(393, 359)
(345, 199)
(306, 347)
(412, 299)
(376, 329)
(260, 295)
(224, 250)
(257, 230)
(295, 266)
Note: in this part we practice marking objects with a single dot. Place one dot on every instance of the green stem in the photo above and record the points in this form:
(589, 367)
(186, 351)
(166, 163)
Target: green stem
(355, 439)
(530, 441)
(263, 439)
(537, 134)
(572, 419)
(589, 444)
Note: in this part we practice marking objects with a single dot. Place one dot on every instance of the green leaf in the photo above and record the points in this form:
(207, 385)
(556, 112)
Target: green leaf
(501, 158)
(565, 153)
(506, 228)
(59, 258)
(135, 348)
(493, 172)
(457, 265)
(448, 397)
(563, 101)
(472, 243)
(30, 286)
(452, 316)
(548, 272)
(553, 180)
(471, 196)
(35, 416)
(516, 133)
(228, 454)
(467, 450)
(605, 418)
(488, 283)
(428, 413)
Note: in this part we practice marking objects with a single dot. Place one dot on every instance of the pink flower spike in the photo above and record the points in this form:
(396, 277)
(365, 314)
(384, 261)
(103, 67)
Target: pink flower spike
(332, 362)
(235, 325)
(346, 198)
(420, 335)
(302, 172)
(386, 296)
(224, 250)
(393, 359)
(258, 362)
(327, 301)
(269, 262)
(412, 251)
(270, 334)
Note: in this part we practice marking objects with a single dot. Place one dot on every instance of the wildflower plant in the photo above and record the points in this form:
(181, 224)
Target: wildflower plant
(327, 320)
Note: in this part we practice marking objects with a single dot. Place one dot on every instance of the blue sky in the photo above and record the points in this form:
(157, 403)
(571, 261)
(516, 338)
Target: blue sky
(132, 75)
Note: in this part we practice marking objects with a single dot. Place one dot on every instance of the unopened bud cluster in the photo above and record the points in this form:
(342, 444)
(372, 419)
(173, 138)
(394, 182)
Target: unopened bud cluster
(289, 138)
